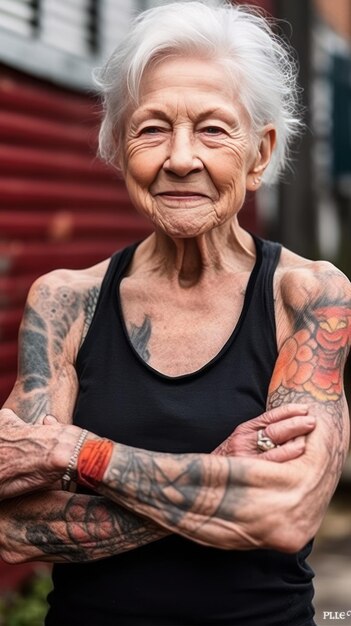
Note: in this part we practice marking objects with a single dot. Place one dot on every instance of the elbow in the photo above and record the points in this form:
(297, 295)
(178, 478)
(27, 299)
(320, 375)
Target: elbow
(289, 540)
(12, 558)
(290, 526)
(290, 535)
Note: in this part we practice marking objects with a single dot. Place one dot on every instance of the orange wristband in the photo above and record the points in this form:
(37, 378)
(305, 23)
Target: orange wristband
(93, 460)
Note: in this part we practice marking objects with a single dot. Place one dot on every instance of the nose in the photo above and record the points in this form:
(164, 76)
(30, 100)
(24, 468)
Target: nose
(182, 159)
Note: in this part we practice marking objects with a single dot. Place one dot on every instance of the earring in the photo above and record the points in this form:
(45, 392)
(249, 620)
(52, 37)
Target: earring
(257, 180)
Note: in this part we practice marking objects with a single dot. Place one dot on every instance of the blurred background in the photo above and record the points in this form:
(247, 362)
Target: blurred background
(61, 207)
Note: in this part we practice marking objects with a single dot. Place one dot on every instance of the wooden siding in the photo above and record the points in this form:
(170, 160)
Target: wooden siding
(59, 205)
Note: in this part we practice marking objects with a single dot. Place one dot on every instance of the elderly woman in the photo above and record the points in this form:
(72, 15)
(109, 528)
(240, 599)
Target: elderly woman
(133, 372)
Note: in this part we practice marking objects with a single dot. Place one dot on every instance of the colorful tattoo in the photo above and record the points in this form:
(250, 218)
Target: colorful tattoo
(310, 368)
(311, 361)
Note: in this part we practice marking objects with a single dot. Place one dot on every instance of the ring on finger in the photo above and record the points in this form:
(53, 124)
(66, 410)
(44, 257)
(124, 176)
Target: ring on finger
(264, 443)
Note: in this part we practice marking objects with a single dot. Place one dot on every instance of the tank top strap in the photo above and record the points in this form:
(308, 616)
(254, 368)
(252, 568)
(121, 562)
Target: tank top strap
(116, 267)
(262, 296)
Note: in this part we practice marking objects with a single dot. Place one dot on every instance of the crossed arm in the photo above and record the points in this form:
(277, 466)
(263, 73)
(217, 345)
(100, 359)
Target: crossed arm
(243, 503)
(56, 525)
(210, 499)
(65, 527)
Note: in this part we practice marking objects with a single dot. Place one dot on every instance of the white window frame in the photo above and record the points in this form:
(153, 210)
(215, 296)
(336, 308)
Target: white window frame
(31, 55)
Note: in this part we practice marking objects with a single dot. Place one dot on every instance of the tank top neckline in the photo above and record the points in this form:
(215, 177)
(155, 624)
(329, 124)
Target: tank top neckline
(235, 332)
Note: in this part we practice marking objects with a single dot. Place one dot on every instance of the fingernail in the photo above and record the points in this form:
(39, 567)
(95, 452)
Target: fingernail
(50, 419)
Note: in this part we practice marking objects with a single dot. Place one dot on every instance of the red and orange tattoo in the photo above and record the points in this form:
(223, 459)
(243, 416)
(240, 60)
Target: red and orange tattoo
(311, 361)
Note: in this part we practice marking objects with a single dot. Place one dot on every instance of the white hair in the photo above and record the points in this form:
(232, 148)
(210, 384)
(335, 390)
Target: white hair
(237, 36)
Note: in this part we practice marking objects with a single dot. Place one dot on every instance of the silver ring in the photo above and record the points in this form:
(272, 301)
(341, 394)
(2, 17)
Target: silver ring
(264, 443)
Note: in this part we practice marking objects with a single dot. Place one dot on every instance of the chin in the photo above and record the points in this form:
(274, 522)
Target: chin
(185, 231)
(179, 227)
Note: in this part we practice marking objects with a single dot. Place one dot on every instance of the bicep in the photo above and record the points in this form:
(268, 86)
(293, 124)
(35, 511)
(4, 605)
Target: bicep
(46, 380)
(310, 369)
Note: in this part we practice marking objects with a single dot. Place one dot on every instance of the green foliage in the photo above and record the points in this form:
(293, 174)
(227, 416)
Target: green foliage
(28, 608)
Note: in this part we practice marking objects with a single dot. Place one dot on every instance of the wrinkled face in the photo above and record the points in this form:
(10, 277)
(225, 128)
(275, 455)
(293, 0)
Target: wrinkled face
(188, 151)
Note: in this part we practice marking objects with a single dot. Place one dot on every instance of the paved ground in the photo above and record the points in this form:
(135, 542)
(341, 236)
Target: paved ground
(331, 561)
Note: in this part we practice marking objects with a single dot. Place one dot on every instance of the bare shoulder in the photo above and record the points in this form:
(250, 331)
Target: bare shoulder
(77, 280)
(309, 293)
(58, 311)
(305, 283)
(64, 301)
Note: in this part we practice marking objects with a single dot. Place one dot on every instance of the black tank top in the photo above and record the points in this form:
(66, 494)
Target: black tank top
(174, 581)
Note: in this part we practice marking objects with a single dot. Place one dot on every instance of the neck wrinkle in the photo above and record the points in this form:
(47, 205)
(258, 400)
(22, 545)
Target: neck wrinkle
(188, 261)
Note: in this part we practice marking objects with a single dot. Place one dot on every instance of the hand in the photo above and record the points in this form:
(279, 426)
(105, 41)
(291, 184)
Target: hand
(32, 457)
(286, 425)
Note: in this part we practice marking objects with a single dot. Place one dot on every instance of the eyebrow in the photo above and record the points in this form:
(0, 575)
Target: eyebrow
(158, 113)
(151, 113)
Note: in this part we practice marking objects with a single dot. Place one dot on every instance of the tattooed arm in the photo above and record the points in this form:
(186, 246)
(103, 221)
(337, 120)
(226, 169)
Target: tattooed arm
(236, 503)
(63, 527)
(197, 484)
(310, 370)
(57, 526)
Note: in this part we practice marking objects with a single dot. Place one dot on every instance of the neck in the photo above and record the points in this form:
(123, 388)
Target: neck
(188, 261)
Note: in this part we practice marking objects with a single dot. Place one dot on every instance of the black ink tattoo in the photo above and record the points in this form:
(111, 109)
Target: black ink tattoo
(61, 310)
(48, 542)
(182, 491)
(140, 336)
(35, 406)
(89, 304)
(84, 528)
(34, 368)
(44, 329)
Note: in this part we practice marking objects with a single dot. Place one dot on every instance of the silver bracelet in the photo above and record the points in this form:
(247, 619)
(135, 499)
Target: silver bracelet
(68, 475)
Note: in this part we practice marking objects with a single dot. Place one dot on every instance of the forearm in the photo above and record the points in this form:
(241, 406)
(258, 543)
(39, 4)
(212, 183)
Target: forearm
(211, 500)
(326, 448)
(236, 503)
(63, 527)
(332, 418)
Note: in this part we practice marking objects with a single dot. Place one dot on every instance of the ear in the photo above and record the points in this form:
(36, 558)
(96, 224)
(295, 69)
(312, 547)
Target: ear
(266, 145)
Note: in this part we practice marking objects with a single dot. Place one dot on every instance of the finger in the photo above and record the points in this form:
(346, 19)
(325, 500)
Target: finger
(50, 419)
(281, 413)
(287, 452)
(293, 427)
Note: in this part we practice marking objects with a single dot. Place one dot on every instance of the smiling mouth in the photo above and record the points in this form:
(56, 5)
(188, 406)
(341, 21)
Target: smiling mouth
(182, 194)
